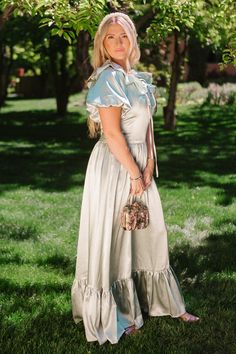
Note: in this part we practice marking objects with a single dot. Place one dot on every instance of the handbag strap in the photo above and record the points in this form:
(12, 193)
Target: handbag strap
(152, 134)
(132, 197)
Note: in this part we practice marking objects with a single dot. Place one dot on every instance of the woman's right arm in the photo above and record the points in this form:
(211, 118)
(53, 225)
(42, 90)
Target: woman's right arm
(110, 120)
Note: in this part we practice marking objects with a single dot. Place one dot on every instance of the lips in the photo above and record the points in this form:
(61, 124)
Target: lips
(119, 50)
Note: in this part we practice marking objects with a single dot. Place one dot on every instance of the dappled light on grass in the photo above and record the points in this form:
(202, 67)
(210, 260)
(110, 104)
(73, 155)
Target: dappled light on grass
(42, 166)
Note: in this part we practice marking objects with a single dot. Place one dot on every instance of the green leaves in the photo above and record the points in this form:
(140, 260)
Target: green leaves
(229, 16)
(228, 57)
(170, 15)
(64, 18)
(211, 21)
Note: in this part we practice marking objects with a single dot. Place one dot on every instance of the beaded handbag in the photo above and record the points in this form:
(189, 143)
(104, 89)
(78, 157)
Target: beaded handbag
(134, 215)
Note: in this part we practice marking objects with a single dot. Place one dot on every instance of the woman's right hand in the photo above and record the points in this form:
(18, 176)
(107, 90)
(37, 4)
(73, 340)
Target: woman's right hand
(137, 187)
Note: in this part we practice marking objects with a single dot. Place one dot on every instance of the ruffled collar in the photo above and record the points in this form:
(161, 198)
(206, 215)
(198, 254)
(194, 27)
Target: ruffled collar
(142, 79)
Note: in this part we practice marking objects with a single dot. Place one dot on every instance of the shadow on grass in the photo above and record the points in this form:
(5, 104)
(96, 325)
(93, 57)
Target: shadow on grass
(42, 151)
(56, 262)
(26, 290)
(9, 257)
(59, 262)
(214, 255)
(206, 275)
(11, 230)
(202, 146)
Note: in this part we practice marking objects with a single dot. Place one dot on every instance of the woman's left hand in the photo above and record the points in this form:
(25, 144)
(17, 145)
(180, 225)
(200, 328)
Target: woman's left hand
(148, 173)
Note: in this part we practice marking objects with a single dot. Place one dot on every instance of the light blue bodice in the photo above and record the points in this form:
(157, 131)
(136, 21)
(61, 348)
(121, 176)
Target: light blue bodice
(110, 85)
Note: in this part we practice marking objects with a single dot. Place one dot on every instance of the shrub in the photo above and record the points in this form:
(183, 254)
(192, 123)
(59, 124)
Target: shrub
(221, 94)
(187, 93)
(191, 92)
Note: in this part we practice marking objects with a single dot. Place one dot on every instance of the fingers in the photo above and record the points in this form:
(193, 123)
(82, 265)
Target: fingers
(147, 178)
(147, 182)
(147, 185)
(137, 187)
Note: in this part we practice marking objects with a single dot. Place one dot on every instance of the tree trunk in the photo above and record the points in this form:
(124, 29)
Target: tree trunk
(6, 14)
(4, 65)
(60, 76)
(5, 68)
(83, 66)
(169, 110)
(64, 82)
(62, 99)
(2, 74)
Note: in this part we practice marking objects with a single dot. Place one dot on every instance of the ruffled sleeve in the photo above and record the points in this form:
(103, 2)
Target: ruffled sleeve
(106, 89)
(147, 78)
(145, 75)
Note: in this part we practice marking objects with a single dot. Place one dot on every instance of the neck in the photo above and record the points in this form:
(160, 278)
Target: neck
(122, 64)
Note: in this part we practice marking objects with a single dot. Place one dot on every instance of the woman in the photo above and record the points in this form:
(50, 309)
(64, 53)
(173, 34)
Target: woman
(120, 272)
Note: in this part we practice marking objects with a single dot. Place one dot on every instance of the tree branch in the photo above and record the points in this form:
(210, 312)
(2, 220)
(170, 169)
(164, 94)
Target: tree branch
(7, 12)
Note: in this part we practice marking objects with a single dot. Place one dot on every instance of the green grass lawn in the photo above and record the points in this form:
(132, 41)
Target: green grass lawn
(42, 167)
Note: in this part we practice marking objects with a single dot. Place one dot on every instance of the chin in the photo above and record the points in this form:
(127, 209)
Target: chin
(120, 56)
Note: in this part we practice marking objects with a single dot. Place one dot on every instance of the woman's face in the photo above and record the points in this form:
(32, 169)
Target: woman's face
(116, 42)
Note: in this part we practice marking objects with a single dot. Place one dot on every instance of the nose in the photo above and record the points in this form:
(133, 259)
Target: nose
(119, 40)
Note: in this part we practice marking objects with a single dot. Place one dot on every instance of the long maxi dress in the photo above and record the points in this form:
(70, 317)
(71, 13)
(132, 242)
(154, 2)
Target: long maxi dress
(120, 272)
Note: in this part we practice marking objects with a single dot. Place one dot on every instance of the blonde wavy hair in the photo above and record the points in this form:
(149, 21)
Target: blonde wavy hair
(100, 55)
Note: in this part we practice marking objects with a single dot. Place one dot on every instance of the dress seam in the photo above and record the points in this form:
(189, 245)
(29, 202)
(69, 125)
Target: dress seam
(123, 279)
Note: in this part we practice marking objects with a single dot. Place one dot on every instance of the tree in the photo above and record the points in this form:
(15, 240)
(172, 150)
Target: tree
(69, 26)
(229, 54)
(180, 19)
